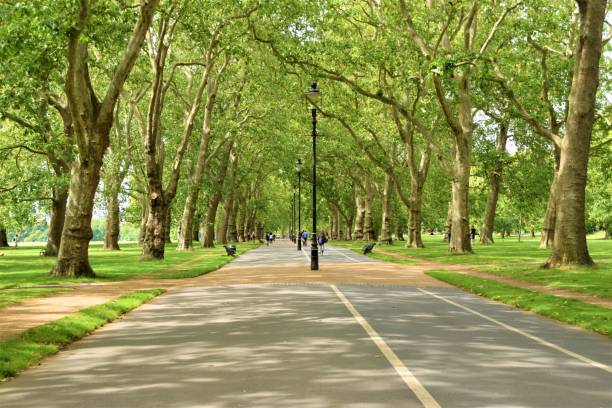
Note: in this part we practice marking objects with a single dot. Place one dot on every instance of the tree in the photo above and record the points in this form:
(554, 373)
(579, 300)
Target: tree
(92, 120)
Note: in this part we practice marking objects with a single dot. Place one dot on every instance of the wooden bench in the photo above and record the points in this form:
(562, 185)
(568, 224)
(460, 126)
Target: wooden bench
(230, 250)
(368, 248)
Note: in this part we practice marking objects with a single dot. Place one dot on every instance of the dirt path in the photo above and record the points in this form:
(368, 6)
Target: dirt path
(584, 297)
(280, 263)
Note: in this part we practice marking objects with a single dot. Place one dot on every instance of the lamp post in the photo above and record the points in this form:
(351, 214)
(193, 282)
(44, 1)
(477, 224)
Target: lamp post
(298, 167)
(293, 213)
(313, 95)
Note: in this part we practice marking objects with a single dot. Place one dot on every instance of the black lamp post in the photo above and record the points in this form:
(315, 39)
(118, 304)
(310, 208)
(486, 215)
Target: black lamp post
(298, 167)
(292, 234)
(313, 95)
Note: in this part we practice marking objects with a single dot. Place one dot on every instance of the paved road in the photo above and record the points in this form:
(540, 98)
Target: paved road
(323, 346)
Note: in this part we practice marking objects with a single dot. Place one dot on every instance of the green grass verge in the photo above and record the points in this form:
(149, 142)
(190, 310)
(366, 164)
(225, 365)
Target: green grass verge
(572, 311)
(32, 346)
(24, 267)
(513, 259)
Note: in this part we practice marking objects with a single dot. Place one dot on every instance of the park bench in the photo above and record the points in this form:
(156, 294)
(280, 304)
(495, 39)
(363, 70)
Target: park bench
(230, 250)
(367, 248)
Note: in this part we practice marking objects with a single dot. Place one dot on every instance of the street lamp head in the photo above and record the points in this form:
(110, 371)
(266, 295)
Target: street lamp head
(298, 165)
(313, 94)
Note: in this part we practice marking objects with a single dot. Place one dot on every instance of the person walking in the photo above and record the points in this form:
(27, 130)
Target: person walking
(473, 233)
(322, 239)
(305, 238)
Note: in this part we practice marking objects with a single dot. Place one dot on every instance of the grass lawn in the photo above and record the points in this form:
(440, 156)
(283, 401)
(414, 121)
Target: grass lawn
(513, 259)
(567, 310)
(23, 267)
(35, 344)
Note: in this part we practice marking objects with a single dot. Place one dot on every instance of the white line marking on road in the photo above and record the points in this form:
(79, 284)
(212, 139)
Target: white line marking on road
(306, 254)
(519, 331)
(411, 381)
(344, 255)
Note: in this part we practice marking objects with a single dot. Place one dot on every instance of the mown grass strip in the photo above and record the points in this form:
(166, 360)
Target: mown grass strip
(32, 346)
(572, 311)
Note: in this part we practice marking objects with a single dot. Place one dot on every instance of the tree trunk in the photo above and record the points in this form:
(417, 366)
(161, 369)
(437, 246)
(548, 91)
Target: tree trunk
(240, 220)
(168, 224)
(460, 226)
(360, 218)
(570, 245)
(3, 238)
(224, 222)
(548, 228)
(486, 234)
(232, 230)
(415, 239)
(153, 241)
(195, 228)
(449, 223)
(387, 198)
(399, 231)
(144, 215)
(56, 222)
(111, 233)
(73, 256)
(215, 199)
(368, 222)
(92, 117)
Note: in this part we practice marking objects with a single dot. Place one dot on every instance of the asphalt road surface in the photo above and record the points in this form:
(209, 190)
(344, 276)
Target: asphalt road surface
(323, 346)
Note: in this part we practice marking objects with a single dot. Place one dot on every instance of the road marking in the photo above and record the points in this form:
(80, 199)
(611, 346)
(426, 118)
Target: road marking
(519, 331)
(344, 255)
(411, 381)
(306, 254)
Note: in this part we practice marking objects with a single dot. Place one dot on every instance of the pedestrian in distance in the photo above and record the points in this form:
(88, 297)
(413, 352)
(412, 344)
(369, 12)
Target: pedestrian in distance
(473, 233)
(15, 241)
(305, 238)
(322, 239)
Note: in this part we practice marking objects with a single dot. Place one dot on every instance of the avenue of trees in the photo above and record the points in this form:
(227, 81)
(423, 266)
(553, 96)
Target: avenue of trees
(183, 119)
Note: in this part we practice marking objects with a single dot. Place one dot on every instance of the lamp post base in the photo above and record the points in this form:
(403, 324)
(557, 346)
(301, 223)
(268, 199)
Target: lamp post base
(314, 256)
(299, 242)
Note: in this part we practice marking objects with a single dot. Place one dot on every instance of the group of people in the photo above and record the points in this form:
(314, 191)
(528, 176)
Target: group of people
(270, 238)
(321, 239)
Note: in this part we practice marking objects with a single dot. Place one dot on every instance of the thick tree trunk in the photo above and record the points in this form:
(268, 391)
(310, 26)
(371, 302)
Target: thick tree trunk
(224, 222)
(3, 238)
(570, 246)
(415, 239)
(111, 233)
(73, 256)
(56, 222)
(359, 218)
(208, 240)
(386, 236)
(153, 245)
(368, 221)
(460, 226)
(188, 224)
(486, 234)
